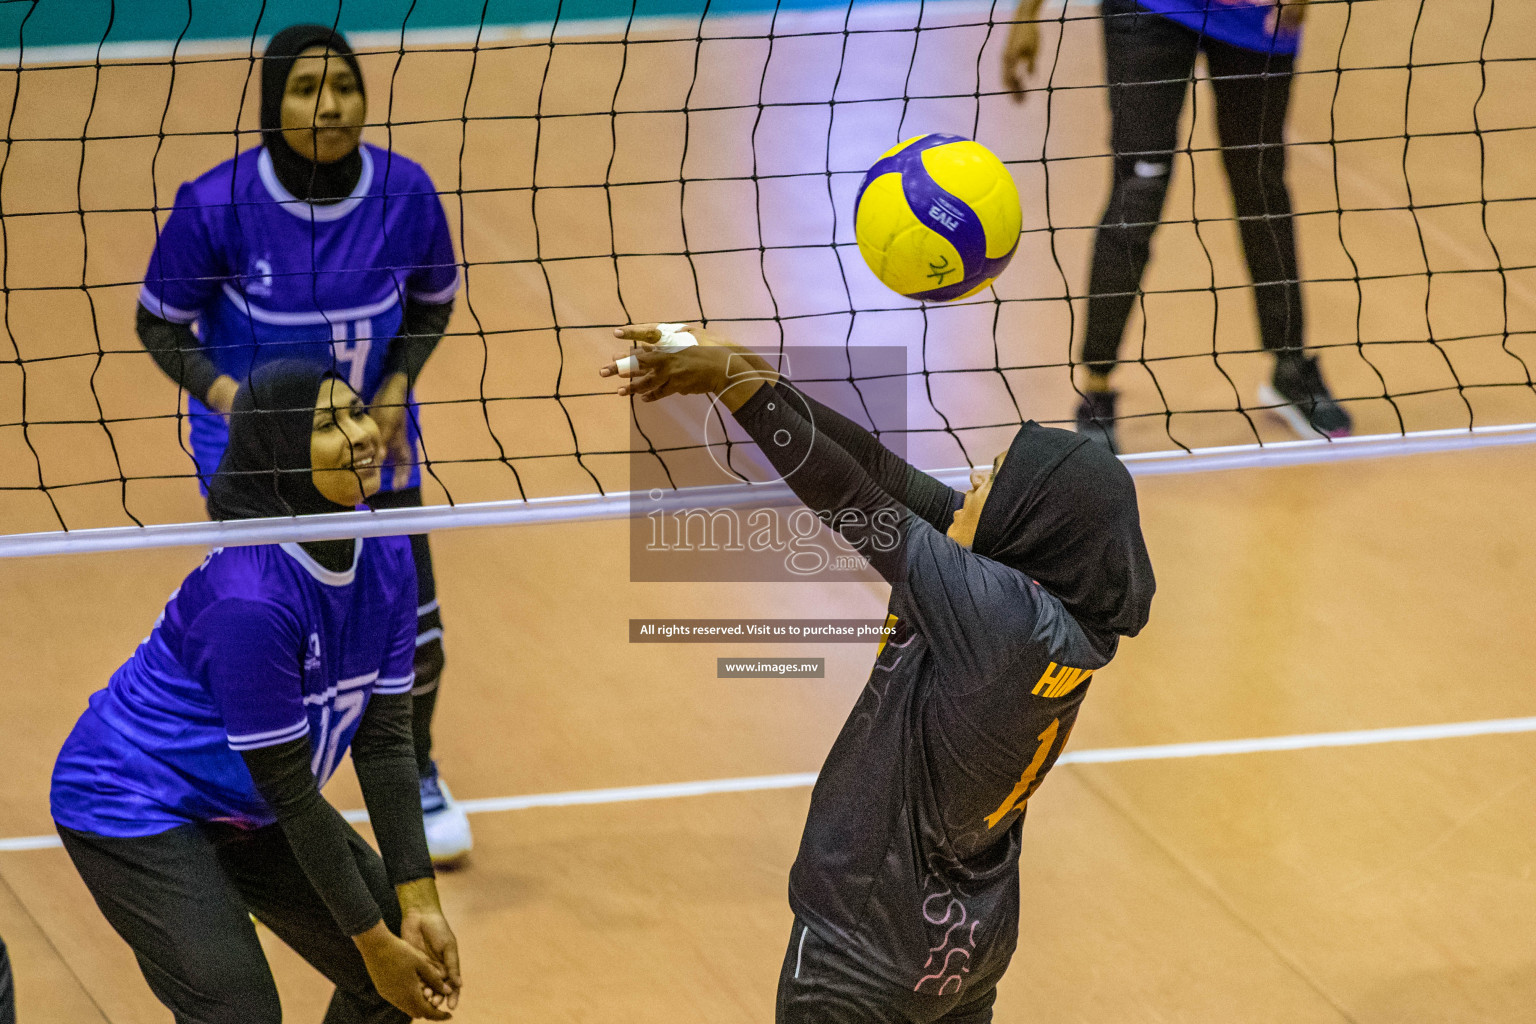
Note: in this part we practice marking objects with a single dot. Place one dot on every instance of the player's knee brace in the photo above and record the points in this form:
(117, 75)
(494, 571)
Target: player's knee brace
(1136, 206)
(429, 666)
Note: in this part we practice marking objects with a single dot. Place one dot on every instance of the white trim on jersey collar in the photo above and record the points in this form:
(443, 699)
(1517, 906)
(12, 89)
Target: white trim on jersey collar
(319, 316)
(320, 572)
(314, 211)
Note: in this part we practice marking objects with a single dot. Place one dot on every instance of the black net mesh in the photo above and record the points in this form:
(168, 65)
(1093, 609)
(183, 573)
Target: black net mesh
(666, 164)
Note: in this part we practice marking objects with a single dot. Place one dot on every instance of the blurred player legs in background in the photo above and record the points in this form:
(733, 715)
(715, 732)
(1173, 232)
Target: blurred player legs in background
(1150, 58)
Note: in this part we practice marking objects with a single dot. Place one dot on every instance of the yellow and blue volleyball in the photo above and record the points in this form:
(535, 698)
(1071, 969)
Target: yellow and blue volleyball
(937, 218)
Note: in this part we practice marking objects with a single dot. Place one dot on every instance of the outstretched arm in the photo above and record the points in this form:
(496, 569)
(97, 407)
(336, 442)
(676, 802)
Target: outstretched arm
(820, 472)
(974, 610)
(317, 835)
(931, 501)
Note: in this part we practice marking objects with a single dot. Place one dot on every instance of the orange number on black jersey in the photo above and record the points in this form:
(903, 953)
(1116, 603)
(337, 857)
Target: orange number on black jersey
(890, 623)
(1030, 780)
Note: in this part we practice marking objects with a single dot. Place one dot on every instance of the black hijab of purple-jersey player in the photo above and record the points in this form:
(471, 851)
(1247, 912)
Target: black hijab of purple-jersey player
(304, 178)
(1063, 511)
(266, 470)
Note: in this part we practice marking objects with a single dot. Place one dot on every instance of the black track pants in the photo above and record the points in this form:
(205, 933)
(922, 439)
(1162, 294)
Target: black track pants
(180, 899)
(7, 987)
(818, 984)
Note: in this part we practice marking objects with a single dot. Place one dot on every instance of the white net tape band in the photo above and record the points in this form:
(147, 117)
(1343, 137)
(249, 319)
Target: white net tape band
(590, 507)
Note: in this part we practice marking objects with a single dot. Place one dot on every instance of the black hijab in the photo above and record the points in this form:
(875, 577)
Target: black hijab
(305, 179)
(1063, 510)
(266, 468)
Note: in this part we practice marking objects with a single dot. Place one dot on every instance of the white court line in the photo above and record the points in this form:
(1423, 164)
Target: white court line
(755, 783)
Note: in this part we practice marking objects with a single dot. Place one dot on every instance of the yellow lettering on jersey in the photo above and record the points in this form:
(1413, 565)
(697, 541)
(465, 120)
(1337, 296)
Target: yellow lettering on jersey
(890, 623)
(1026, 783)
(1060, 680)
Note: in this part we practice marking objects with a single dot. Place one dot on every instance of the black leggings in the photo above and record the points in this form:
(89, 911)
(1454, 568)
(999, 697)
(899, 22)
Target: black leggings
(429, 629)
(180, 899)
(7, 988)
(1150, 62)
(819, 984)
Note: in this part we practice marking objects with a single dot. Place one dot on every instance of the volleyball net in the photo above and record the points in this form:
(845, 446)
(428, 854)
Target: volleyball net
(613, 161)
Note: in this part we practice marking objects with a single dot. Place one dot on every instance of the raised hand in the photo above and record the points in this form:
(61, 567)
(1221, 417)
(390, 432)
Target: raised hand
(714, 365)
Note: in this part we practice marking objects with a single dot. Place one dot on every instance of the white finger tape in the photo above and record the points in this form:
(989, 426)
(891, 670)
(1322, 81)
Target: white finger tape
(673, 337)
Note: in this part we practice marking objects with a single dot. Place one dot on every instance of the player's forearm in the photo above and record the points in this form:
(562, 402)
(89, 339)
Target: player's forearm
(827, 479)
(421, 328)
(176, 350)
(928, 499)
(383, 752)
(315, 831)
(419, 894)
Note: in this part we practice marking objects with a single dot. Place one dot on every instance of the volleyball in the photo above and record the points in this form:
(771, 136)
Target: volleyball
(937, 218)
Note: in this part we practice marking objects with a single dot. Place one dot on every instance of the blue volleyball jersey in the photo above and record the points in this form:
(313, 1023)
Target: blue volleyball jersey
(266, 276)
(1250, 24)
(259, 646)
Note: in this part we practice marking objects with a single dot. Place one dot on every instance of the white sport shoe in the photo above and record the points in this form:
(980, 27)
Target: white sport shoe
(448, 836)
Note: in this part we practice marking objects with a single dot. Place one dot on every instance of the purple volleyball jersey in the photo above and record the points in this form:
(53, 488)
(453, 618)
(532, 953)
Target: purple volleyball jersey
(1250, 24)
(258, 646)
(266, 276)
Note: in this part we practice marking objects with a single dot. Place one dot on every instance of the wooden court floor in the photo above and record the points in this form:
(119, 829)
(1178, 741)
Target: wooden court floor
(1386, 884)
(1390, 883)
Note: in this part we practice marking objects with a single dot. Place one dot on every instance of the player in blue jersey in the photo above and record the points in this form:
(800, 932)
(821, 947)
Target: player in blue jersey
(188, 793)
(316, 246)
(1150, 48)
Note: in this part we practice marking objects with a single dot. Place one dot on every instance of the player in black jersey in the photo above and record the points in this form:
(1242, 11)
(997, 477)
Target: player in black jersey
(1006, 598)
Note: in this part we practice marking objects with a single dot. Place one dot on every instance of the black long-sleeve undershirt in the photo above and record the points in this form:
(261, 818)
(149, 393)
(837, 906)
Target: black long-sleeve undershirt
(384, 757)
(828, 479)
(421, 328)
(177, 351)
(928, 498)
(180, 354)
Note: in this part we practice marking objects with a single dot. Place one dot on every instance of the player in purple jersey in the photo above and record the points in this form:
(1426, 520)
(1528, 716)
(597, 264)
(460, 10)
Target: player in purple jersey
(1005, 601)
(1150, 48)
(316, 246)
(188, 793)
